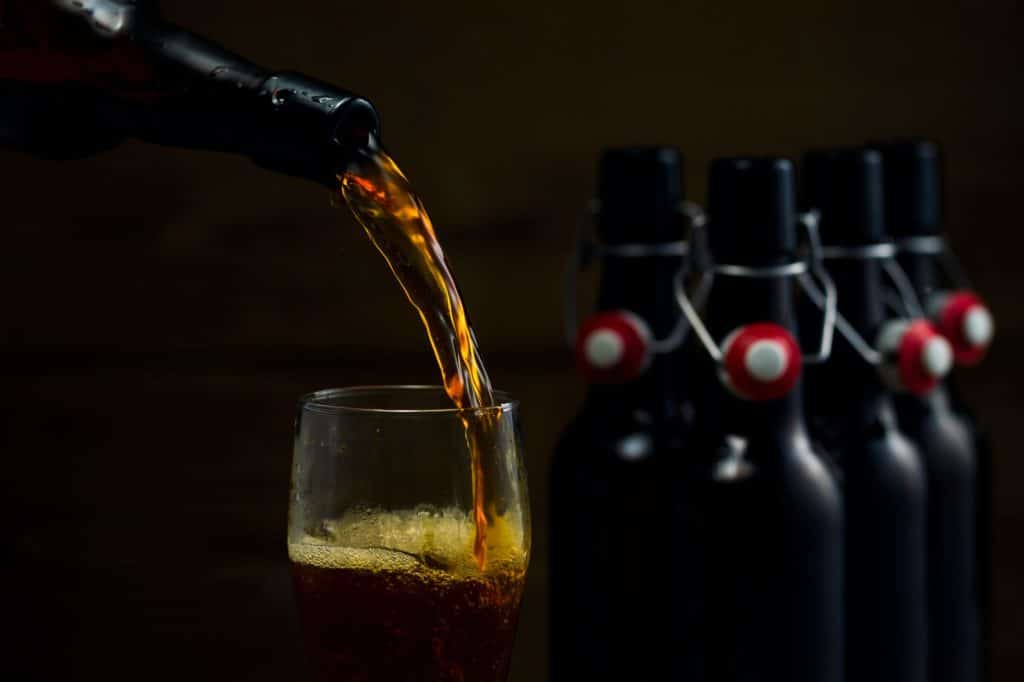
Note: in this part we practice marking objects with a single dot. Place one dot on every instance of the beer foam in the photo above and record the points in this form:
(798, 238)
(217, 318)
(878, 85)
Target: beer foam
(411, 541)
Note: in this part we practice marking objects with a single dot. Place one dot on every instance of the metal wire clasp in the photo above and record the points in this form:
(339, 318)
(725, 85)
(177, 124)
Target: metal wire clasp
(909, 352)
(906, 302)
(938, 247)
(806, 271)
(587, 249)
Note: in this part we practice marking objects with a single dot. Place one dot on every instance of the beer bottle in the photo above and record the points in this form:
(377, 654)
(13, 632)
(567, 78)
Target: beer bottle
(611, 532)
(958, 475)
(772, 509)
(852, 414)
(78, 77)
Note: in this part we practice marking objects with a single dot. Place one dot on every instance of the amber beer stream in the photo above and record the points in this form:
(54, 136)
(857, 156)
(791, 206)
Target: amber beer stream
(383, 201)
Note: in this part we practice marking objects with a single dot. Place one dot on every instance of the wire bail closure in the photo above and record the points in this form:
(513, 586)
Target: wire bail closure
(587, 250)
(909, 352)
(936, 246)
(804, 270)
(958, 312)
(909, 304)
(907, 301)
(949, 264)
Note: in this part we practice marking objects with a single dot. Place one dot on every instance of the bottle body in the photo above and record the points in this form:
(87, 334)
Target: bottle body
(773, 563)
(612, 577)
(615, 607)
(852, 414)
(885, 497)
(947, 443)
(984, 510)
(958, 457)
(947, 447)
(771, 508)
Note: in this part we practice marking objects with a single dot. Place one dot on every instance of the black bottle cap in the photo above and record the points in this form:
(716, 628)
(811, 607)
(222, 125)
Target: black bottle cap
(913, 187)
(640, 190)
(752, 205)
(846, 186)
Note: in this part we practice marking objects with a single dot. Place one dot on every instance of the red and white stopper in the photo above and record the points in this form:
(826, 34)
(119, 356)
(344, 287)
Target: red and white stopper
(916, 357)
(761, 361)
(966, 323)
(613, 347)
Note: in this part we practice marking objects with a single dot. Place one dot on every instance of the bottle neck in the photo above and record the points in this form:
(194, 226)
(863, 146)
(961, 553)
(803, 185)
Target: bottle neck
(923, 272)
(644, 287)
(67, 92)
(862, 396)
(736, 302)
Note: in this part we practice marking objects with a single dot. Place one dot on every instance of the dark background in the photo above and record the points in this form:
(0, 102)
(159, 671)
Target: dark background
(162, 309)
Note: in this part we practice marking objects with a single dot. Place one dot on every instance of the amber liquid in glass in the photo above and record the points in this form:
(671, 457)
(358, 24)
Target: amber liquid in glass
(419, 609)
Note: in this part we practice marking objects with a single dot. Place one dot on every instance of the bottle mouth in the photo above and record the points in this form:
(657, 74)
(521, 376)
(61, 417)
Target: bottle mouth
(357, 124)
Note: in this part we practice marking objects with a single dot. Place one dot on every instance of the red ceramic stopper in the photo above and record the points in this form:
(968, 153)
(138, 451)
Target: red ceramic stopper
(613, 347)
(967, 324)
(761, 361)
(924, 357)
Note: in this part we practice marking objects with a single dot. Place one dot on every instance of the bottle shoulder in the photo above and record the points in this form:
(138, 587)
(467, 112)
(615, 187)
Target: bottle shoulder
(765, 489)
(790, 469)
(943, 437)
(871, 445)
(886, 468)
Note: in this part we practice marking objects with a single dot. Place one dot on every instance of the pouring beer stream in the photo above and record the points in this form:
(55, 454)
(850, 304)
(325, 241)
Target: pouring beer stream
(383, 201)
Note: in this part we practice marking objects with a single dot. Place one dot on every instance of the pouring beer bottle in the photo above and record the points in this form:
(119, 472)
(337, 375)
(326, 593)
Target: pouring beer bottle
(852, 414)
(772, 508)
(611, 529)
(78, 77)
(959, 472)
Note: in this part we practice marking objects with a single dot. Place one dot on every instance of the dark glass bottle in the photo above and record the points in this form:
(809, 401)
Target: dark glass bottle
(852, 415)
(772, 508)
(611, 534)
(958, 475)
(78, 77)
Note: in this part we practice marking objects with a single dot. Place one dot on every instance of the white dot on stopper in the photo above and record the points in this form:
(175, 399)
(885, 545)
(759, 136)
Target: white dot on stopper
(978, 326)
(937, 357)
(766, 360)
(604, 348)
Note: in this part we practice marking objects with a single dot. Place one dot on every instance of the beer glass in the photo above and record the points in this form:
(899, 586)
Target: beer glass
(408, 535)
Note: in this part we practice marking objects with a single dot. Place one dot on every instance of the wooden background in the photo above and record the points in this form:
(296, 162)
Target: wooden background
(162, 310)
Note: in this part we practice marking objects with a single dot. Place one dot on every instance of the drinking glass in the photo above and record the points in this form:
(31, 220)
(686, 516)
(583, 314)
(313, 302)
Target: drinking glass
(408, 534)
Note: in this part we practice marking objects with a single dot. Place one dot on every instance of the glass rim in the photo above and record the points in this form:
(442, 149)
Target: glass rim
(316, 401)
